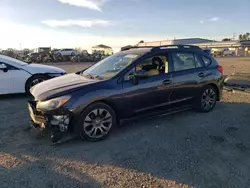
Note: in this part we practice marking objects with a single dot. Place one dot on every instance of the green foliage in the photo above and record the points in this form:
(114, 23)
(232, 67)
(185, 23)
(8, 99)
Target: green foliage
(244, 36)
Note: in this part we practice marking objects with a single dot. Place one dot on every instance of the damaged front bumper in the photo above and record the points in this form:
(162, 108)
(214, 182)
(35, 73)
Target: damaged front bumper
(57, 122)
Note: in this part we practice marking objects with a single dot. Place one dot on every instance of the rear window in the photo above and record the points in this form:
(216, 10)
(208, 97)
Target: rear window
(207, 61)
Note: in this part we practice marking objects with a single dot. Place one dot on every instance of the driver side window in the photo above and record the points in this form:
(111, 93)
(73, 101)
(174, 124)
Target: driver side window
(153, 66)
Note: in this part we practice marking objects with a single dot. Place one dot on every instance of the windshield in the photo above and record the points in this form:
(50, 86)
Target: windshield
(12, 60)
(111, 66)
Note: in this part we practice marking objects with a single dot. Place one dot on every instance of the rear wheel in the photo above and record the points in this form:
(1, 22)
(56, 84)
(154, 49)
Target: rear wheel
(207, 99)
(96, 122)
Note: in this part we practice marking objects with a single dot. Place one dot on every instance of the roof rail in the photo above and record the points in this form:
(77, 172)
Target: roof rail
(135, 47)
(155, 48)
(175, 46)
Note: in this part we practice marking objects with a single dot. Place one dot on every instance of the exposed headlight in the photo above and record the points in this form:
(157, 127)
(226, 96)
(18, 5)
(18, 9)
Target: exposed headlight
(52, 104)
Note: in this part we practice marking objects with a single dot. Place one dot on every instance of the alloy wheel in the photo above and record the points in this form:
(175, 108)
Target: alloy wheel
(97, 123)
(208, 99)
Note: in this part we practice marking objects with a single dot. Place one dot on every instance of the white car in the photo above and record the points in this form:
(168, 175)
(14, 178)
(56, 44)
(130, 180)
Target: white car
(18, 77)
(228, 52)
(65, 52)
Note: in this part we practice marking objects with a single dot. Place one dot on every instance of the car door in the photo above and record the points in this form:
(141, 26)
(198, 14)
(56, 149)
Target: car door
(68, 52)
(187, 72)
(148, 94)
(62, 52)
(13, 80)
(5, 84)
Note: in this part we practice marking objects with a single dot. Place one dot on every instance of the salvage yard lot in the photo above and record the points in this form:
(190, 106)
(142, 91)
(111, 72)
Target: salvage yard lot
(182, 150)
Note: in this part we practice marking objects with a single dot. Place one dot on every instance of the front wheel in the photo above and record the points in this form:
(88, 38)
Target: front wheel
(36, 79)
(96, 122)
(207, 99)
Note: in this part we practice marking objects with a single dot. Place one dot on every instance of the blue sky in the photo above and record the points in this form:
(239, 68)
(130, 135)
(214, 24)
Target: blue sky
(82, 23)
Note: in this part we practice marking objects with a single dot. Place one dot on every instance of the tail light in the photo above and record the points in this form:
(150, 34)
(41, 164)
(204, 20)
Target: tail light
(219, 68)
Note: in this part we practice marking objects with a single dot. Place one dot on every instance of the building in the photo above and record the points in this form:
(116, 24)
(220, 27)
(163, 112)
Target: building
(103, 49)
(241, 48)
(176, 42)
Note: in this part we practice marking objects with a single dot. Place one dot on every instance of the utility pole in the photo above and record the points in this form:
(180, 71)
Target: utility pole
(234, 35)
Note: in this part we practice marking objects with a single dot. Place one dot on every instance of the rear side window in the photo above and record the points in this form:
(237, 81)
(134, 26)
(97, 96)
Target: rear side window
(198, 61)
(183, 61)
(207, 61)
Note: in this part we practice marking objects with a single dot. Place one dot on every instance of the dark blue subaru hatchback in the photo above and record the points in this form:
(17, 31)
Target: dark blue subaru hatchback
(134, 83)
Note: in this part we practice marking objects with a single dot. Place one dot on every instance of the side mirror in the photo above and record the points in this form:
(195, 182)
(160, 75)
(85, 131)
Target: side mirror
(3, 68)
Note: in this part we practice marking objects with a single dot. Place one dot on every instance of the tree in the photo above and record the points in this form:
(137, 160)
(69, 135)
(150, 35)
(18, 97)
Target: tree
(226, 39)
(240, 37)
(244, 36)
(78, 50)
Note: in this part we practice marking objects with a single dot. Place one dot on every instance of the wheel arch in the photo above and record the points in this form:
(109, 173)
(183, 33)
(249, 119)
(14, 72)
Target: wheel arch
(216, 88)
(31, 77)
(111, 104)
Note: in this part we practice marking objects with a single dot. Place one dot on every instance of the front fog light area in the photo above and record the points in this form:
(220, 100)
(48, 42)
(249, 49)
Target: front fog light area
(62, 121)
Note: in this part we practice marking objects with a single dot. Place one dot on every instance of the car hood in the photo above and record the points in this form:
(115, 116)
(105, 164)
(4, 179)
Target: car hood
(60, 86)
(37, 68)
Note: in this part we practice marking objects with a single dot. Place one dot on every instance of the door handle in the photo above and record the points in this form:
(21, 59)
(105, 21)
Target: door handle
(167, 82)
(201, 74)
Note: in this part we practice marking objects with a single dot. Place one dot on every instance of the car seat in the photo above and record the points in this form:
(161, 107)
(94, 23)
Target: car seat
(189, 63)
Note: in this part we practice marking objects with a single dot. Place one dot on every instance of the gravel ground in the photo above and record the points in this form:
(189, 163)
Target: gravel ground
(188, 149)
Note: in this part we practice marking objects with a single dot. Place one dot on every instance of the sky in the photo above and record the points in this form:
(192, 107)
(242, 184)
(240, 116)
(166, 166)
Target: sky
(85, 23)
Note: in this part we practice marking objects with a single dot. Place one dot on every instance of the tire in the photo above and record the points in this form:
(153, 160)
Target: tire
(32, 81)
(96, 122)
(207, 99)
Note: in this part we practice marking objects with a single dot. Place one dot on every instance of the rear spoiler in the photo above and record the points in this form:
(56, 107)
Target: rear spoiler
(208, 51)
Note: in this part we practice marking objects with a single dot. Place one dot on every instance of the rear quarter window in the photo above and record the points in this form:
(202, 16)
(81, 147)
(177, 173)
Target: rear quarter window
(207, 61)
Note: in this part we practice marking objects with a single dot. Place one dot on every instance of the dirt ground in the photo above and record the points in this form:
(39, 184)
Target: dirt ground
(235, 64)
(188, 149)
